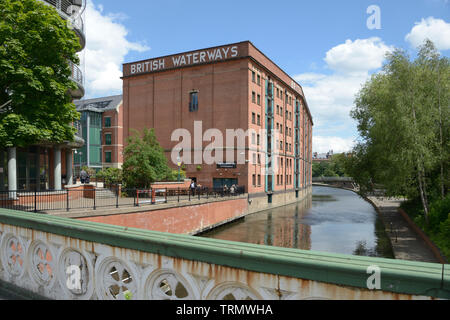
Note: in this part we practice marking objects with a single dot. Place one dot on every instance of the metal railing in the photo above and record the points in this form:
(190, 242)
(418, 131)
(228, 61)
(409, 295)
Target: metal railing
(77, 74)
(115, 196)
(70, 10)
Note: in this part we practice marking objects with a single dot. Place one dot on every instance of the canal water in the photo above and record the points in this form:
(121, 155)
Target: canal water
(331, 220)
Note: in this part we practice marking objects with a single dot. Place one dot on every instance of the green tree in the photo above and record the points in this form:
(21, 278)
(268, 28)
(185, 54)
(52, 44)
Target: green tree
(336, 167)
(36, 45)
(145, 162)
(110, 176)
(403, 126)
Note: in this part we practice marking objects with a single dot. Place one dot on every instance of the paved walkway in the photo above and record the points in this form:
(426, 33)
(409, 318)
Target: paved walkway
(407, 245)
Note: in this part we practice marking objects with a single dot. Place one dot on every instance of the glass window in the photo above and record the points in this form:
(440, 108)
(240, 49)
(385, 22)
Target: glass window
(253, 76)
(108, 138)
(259, 80)
(253, 117)
(259, 99)
(107, 122)
(259, 120)
(253, 97)
(108, 157)
(193, 102)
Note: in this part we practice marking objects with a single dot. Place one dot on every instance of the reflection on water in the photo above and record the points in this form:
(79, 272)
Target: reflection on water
(331, 220)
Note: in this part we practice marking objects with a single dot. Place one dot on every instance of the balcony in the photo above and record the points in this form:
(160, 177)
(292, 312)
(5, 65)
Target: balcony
(71, 10)
(77, 77)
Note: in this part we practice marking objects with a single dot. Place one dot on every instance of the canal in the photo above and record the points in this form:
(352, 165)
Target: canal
(331, 220)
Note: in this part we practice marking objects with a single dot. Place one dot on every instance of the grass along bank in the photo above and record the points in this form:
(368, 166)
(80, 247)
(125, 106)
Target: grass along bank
(438, 228)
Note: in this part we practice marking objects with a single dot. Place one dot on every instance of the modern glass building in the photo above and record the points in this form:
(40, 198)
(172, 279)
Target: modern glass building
(101, 129)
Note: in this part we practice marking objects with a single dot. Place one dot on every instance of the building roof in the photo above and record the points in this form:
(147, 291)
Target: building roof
(99, 104)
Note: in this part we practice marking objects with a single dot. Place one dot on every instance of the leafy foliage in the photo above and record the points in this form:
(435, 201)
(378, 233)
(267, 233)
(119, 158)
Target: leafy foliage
(36, 45)
(111, 176)
(336, 167)
(403, 120)
(145, 162)
(438, 227)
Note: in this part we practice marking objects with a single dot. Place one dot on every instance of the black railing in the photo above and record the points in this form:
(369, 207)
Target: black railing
(113, 197)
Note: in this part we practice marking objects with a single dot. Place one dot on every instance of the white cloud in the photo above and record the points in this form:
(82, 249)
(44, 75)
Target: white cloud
(106, 48)
(357, 56)
(437, 30)
(331, 96)
(337, 144)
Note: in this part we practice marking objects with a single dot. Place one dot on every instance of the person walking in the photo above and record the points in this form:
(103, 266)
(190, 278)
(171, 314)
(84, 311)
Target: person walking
(193, 187)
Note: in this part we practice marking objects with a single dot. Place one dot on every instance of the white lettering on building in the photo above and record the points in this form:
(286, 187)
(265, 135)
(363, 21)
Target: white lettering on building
(186, 59)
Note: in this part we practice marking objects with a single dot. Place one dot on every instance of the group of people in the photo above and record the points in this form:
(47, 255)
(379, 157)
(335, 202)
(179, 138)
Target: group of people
(232, 189)
(194, 186)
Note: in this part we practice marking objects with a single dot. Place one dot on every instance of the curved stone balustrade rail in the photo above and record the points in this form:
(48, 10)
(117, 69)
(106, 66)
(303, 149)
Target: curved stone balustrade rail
(60, 258)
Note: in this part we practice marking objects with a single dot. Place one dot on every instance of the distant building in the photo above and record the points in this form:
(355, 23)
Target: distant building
(320, 157)
(101, 127)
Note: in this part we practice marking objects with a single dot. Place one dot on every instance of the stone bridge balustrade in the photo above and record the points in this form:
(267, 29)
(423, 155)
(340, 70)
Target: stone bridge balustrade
(61, 258)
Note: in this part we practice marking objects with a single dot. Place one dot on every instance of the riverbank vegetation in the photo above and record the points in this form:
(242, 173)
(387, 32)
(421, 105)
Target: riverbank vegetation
(403, 119)
(438, 226)
(335, 167)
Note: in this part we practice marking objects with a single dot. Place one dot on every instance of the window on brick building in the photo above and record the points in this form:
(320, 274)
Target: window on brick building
(108, 139)
(253, 76)
(259, 80)
(193, 101)
(258, 122)
(259, 100)
(108, 156)
(107, 122)
(253, 118)
(253, 97)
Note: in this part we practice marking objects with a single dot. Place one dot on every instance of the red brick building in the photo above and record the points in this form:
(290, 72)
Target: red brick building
(227, 87)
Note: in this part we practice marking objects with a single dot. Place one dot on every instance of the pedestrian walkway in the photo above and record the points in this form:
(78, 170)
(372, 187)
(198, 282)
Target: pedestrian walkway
(406, 244)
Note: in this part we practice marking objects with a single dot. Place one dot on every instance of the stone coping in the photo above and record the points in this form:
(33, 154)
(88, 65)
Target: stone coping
(406, 277)
(108, 211)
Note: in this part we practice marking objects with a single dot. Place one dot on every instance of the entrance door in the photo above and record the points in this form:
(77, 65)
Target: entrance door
(220, 183)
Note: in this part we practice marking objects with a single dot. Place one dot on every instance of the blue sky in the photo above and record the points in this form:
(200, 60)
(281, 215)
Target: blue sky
(325, 45)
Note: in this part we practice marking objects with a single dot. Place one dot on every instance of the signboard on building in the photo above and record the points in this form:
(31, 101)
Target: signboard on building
(183, 60)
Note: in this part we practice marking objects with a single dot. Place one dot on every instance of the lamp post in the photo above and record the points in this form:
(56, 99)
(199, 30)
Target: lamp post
(179, 167)
(80, 154)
